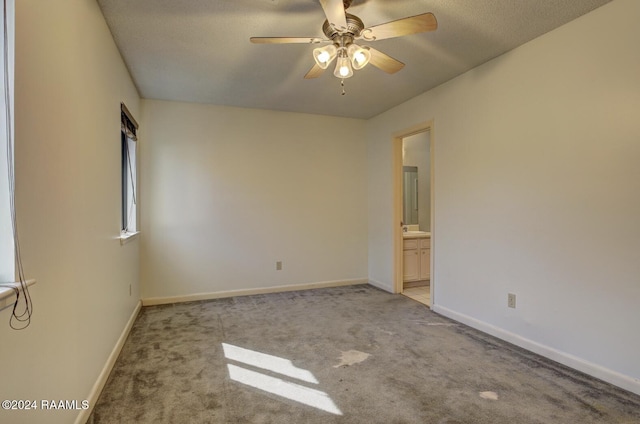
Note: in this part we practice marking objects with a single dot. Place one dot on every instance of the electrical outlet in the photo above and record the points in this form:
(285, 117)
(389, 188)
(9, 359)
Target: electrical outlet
(511, 300)
(279, 266)
(129, 289)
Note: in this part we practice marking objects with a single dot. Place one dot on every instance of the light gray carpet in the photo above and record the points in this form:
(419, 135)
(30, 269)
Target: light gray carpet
(421, 368)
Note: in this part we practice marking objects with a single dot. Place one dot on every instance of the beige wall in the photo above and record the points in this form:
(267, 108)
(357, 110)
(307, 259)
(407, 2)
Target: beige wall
(227, 192)
(69, 83)
(536, 193)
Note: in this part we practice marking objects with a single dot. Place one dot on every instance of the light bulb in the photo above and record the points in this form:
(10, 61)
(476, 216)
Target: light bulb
(325, 55)
(359, 56)
(343, 67)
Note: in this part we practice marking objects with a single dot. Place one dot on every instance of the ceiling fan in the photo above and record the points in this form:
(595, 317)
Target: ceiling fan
(342, 29)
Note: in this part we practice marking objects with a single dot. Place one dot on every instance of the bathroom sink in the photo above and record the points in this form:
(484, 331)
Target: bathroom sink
(415, 234)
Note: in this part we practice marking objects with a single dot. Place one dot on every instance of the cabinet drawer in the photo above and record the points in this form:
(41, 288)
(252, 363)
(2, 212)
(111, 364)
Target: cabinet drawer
(410, 244)
(425, 243)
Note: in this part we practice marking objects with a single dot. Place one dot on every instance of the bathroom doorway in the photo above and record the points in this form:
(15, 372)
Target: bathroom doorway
(413, 213)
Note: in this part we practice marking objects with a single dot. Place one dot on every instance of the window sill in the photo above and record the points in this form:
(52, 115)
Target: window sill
(127, 237)
(7, 293)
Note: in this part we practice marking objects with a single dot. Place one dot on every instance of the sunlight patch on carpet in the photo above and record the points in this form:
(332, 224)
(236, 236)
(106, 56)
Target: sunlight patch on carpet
(268, 362)
(277, 386)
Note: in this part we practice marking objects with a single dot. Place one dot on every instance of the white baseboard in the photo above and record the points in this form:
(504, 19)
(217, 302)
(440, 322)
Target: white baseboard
(381, 285)
(150, 301)
(623, 381)
(84, 414)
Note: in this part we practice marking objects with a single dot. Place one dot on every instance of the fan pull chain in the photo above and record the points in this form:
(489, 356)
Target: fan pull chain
(342, 85)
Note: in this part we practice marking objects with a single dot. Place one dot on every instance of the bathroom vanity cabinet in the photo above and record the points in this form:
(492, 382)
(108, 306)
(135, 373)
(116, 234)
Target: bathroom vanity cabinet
(416, 259)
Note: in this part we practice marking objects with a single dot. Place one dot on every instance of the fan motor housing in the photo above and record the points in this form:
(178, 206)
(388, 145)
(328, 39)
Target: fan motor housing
(354, 27)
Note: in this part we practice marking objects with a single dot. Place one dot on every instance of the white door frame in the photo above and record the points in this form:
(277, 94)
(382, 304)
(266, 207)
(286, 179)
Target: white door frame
(397, 202)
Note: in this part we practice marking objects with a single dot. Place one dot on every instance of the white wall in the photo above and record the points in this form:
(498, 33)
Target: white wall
(70, 80)
(536, 193)
(227, 192)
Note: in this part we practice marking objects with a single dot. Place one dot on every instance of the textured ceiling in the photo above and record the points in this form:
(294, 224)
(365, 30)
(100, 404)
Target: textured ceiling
(199, 50)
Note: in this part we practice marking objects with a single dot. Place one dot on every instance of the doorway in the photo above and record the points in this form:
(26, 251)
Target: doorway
(413, 197)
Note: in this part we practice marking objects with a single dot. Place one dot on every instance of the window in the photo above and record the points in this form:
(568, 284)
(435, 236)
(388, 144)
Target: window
(129, 143)
(7, 248)
(13, 294)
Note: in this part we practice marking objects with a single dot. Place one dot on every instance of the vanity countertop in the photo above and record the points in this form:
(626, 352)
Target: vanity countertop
(416, 234)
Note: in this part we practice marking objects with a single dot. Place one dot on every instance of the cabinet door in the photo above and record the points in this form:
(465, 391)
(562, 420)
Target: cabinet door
(425, 264)
(410, 265)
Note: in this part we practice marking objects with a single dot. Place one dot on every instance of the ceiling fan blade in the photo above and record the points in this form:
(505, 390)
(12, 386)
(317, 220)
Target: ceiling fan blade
(384, 62)
(334, 9)
(314, 72)
(287, 40)
(406, 26)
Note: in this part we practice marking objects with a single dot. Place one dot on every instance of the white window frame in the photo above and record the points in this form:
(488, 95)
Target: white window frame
(7, 246)
(129, 147)
(12, 282)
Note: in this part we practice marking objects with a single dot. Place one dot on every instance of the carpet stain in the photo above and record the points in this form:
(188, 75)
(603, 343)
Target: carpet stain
(351, 357)
(489, 395)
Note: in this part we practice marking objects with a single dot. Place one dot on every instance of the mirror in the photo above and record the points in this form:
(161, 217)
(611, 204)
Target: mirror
(410, 195)
(416, 181)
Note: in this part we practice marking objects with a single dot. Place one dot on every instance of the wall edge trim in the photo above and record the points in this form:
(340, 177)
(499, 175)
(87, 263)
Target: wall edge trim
(381, 285)
(623, 381)
(151, 301)
(94, 394)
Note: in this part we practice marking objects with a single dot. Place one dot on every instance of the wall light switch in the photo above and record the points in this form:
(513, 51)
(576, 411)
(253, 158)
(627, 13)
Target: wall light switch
(279, 266)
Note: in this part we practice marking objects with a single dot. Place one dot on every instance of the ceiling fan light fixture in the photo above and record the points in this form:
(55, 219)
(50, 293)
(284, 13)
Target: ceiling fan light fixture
(342, 28)
(325, 55)
(343, 66)
(359, 56)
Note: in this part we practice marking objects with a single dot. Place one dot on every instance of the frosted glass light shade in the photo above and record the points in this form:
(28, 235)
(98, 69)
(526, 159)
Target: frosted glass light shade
(359, 56)
(325, 55)
(343, 68)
